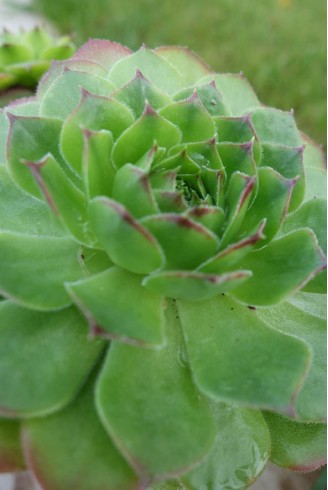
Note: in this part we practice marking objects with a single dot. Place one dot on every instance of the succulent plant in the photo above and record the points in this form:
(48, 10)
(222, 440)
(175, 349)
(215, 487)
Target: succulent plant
(161, 265)
(25, 56)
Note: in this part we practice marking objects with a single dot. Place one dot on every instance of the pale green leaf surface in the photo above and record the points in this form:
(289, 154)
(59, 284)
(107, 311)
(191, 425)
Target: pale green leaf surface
(149, 405)
(236, 357)
(36, 377)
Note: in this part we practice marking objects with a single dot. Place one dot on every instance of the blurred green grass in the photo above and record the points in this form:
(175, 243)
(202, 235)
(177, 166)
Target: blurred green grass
(280, 45)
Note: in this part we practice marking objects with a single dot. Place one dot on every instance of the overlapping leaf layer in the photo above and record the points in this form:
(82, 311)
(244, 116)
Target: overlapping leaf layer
(161, 266)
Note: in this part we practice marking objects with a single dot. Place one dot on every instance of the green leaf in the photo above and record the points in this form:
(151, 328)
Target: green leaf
(275, 127)
(303, 319)
(22, 213)
(289, 163)
(45, 358)
(158, 71)
(132, 189)
(313, 155)
(316, 183)
(238, 95)
(93, 113)
(190, 67)
(296, 446)
(70, 449)
(148, 404)
(64, 93)
(209, 96)
(14, 53)
(240, 452)
(271, 203)
(102, 51)
(212, 217)
(191, 117)
(139, 90)
(42, 264)
(281, 268)
(185, 243)
(238, 157)
(114, 226)
(141, 136)
(193, 286)
(11, 457)
(236, 357)
(118, 307)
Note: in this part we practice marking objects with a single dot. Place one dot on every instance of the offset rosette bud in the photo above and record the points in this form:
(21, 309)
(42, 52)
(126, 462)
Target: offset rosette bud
(163, 205)
(25, 56)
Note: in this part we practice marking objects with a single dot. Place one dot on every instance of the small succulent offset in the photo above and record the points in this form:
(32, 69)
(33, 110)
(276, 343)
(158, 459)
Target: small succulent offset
(161, 265)
(25, 56)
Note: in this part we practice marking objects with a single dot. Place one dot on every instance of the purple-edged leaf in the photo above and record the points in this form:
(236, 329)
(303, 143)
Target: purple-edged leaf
(281, 268)
(102, 51)
(70, 449)
(93, 113)
(275, 127)
(212, 217)
(141, 136)
(67, 202)
(22, 213)
(296, 446)
(158, 71)
(233, 254)
(149, 406)
(186, 62)
(271, 203)
(193, 286)
(239, 454)
(237, 93)
(304, 317)
(132, 189)
(118, 307)
(239, 195)
(41, 265)
(64, 93)
(191, 117)
(289, 163)
(170, 201)
(137, 91)
(313, 155)
(114, 226)
(236, 357)
(36, 378)
(209, 96)
(11, 457)
(31, 138)
(97, 166)
(185, 243)
(238, 157)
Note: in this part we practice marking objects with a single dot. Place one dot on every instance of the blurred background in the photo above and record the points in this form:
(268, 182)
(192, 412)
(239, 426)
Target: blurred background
(280, 45)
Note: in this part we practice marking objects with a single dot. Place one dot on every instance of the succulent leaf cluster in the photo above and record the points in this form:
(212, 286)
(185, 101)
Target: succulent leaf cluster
(25, 56)
(162, 270)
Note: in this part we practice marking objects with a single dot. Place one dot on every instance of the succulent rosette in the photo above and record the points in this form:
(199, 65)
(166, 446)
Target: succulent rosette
(161, 265)
(25, 56)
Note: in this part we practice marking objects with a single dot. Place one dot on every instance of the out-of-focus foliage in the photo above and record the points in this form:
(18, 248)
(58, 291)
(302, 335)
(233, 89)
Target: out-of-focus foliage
(278, 44)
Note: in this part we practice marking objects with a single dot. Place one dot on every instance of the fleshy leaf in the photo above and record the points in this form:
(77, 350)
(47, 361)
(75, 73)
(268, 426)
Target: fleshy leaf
(102, 51)
(294, 445)
(42, 263)
(191, 117)
(141, 136)
(275, 127)
(148, 403)
(70, 449)
(117, 306)
(186, 62)
(236, 357)
(114, 226)
(212, 217)
(236, 91)
(193, 286)
(177, 234)
(303, 319)
(281, 268)
(238, 157)
(240, 452)
(29, 347)
(11, 457)
(94, 113)
(158, 71)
